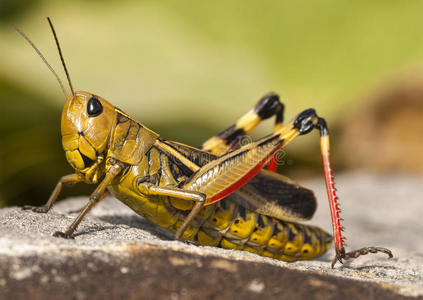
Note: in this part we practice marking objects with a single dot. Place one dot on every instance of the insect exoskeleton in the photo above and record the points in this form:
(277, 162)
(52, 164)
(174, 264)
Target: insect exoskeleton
(86, 125)
(216, 194)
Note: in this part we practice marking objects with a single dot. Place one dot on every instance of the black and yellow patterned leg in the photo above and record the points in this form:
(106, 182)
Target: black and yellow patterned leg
(268, 106)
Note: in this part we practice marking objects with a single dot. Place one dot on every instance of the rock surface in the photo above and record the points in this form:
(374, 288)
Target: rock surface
(118, 254)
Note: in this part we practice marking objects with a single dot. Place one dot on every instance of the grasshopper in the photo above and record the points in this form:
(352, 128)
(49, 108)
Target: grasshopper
(215, 195)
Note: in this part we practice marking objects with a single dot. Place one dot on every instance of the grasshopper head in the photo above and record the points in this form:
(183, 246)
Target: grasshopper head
(87, 121)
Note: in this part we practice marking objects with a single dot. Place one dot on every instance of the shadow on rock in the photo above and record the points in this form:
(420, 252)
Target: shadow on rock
(139, 223)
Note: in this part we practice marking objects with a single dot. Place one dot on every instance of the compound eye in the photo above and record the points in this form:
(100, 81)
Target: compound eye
(94, 107)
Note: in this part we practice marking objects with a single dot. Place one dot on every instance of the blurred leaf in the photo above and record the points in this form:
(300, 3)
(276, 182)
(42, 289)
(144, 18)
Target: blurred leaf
(10, 9)
(31, 156)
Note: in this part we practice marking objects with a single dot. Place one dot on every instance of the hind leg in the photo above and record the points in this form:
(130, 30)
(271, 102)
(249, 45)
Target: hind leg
(267, 107)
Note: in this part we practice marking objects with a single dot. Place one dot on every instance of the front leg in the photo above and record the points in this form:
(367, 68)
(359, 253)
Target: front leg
(98, 195)
(65, 180)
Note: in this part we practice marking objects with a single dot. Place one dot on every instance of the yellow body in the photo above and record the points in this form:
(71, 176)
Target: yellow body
(223, 224)
(227, 224)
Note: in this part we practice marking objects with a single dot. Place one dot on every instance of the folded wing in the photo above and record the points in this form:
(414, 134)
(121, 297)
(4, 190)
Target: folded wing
(274, 195)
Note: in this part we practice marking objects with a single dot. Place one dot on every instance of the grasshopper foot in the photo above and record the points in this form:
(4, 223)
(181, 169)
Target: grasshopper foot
(342, 255)
(64, 235)
(38, 209)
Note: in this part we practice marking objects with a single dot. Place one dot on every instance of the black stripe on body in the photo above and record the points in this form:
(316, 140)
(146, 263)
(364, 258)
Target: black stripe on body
(87, 161)
(260, 221)
(175, 170)
(275, 228)
(121, 118)
(197, 156)
(185, 171)
(161, 168)
(291, 235)
(242, 212)
(148, 160)
(223, 203)
(306, 236)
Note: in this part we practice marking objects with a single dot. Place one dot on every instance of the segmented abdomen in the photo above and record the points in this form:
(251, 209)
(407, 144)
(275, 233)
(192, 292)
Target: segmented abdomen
(231, 226)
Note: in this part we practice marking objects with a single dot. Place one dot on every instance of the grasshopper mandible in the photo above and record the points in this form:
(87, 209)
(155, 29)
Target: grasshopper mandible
(217, 194)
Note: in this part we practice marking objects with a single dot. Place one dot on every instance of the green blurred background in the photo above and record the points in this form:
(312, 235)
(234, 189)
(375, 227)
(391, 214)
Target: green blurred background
(188, 69)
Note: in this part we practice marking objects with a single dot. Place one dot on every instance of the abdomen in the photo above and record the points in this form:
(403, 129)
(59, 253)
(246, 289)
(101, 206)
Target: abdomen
(231, 226)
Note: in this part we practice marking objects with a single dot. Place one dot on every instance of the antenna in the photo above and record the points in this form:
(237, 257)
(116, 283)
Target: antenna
(43, 58)
(61, 55)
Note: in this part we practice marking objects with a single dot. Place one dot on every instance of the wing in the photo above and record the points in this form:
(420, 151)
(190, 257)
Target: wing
(276, 196)
(268, 193)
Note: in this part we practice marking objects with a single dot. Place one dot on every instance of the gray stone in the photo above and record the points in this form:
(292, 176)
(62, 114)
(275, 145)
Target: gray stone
(117, 253)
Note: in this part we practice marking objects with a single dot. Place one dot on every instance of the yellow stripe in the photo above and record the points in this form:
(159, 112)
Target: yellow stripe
(216, 145)
(166, 148)
(219, 146)
(248, 122)
(324, 144)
